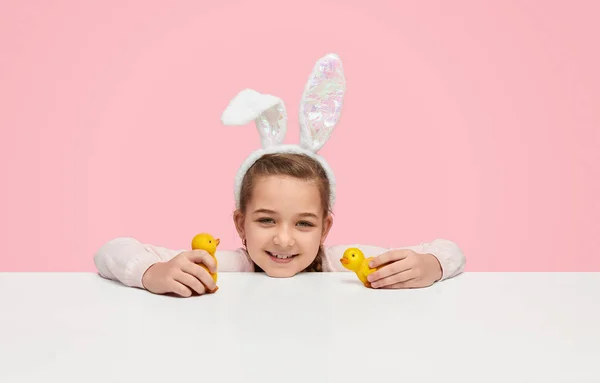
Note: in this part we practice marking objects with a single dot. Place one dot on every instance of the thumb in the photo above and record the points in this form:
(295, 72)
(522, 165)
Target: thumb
(375, 261)
(388, 257)
(202, 256)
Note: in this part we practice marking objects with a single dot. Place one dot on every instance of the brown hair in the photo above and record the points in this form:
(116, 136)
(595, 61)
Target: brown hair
(293, 165)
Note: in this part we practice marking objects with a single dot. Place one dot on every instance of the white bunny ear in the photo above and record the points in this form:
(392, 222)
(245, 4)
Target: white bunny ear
(268, 112)
(321, 102)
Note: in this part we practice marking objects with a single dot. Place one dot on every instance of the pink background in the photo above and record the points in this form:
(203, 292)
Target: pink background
(468, 120)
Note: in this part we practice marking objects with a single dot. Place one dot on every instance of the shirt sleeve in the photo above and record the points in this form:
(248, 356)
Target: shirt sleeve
(126, 259)
(450, 256)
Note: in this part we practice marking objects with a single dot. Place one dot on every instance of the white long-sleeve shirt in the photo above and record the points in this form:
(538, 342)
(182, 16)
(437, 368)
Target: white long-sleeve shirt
(126, 259)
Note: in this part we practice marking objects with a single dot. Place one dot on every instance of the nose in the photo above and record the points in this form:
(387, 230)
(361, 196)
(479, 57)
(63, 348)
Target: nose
(284, 238)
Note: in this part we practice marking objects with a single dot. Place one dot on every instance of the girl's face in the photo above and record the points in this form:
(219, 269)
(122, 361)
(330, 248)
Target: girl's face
(283, 225)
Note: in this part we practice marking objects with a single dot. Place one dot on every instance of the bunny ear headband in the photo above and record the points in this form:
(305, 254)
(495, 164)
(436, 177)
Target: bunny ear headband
(319, 113)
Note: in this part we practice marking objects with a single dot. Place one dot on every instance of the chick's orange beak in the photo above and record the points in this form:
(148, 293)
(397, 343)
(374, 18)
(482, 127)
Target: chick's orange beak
(217, 240)
(344, 260)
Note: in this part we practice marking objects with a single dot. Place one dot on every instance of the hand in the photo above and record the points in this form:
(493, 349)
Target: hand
(181, 275)
(404, 269)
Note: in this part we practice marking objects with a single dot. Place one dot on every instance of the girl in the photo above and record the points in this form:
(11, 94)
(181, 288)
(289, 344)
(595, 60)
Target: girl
(284, 198)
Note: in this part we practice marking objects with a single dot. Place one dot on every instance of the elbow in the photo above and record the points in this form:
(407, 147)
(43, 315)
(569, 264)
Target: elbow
(103, 255)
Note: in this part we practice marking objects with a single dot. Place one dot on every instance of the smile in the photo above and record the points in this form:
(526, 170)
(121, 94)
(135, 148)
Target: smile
(281, 257)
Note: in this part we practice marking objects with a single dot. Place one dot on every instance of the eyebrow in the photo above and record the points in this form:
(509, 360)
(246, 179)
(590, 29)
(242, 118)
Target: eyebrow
(312, 215)
(267, 211)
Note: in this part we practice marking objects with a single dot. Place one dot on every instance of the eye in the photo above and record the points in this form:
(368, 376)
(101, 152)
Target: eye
(265, 220)
(352, 255)
(305, 223)
(209, 241)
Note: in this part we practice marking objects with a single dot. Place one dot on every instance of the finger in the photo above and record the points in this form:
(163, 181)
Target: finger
(179, 289)
(389, 256)
(201, 256)
(401, 277)
(414, 283)
(190, 281)
(391, 269)
(200, 274)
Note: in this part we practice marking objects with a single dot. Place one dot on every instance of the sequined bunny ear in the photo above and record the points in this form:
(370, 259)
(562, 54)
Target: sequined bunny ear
(321, 102)
(268, 113)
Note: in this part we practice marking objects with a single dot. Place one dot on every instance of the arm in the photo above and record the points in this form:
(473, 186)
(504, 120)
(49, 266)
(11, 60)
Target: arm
(127, 259)
(451, 258)
(448, 254)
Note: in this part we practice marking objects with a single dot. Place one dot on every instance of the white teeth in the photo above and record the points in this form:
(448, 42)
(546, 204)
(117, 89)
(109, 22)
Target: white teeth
(281, 256)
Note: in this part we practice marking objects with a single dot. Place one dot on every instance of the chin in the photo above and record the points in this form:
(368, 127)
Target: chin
(281, 273)
(278, 271)
(286, 270)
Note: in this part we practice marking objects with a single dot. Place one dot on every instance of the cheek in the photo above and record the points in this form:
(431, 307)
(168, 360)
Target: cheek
(255, 236)
(310, 239)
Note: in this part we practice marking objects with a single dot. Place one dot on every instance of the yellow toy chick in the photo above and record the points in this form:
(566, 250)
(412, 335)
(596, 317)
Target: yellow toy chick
(208, 243)
(354, 260)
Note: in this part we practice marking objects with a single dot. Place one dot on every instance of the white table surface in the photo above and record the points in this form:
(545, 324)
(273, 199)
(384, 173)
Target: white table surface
(326, 327)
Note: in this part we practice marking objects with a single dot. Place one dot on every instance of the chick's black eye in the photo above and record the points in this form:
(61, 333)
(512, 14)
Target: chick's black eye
(209, 241)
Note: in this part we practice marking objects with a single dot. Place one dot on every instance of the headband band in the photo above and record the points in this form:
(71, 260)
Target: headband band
(319, 113)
